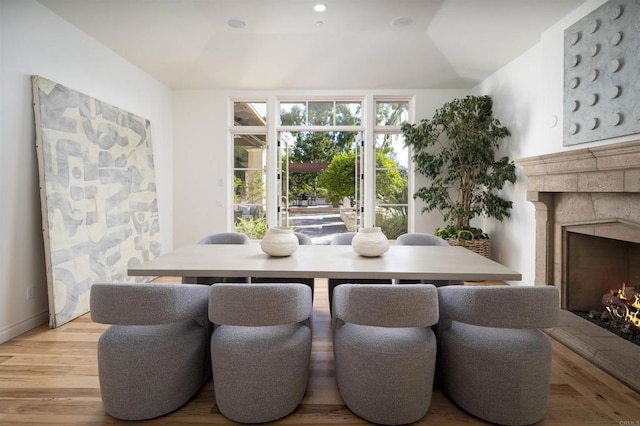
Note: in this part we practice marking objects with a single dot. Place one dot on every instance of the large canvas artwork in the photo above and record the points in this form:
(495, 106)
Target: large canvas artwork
(601, 78)
(98, 194)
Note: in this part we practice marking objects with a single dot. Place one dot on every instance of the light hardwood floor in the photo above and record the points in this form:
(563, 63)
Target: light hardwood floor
(50, 377)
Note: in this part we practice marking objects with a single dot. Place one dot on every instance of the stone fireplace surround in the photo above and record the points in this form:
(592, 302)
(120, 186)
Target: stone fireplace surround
(592, 191)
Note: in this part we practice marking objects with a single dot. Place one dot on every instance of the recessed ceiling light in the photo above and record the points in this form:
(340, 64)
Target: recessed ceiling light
(320, 7)
(401, 22)
(236, 23)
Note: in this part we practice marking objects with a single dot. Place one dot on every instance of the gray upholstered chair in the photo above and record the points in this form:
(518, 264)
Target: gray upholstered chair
(345, 239)
(385, 350)
(155, 356)
(424, 239)
(303, 240)
(223, 238)
(493, 361)
(260, 349)
(420, 239)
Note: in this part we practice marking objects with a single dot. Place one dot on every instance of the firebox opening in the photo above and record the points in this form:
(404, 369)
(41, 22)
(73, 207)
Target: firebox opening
(596, 265)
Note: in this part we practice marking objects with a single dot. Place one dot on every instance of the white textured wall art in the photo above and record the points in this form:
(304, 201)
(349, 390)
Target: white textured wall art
(98, 194)
(602, 74)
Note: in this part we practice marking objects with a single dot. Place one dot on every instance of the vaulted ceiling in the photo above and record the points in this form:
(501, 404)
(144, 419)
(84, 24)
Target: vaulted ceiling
(285, 44)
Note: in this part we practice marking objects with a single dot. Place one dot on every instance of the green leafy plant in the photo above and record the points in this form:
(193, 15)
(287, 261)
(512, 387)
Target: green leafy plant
(393, 222)
(339, 178)
(254, 227)
(451, 232)
(455, 151)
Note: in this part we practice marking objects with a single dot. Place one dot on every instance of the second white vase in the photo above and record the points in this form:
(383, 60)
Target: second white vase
(370, 242)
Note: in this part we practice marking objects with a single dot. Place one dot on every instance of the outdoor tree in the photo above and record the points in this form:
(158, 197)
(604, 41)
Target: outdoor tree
(339, 178)
(391, 113)
(316, 147)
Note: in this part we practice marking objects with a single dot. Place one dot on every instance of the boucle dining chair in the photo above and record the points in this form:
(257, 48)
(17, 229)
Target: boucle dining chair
(424, 239)
(493, 360)
(345, 239)
(303, 240)
(260, 349)
(224, 238)
(385, 350)
(155, 356)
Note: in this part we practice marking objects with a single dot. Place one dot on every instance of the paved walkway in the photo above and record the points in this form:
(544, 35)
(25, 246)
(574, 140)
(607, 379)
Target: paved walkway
(320, 224)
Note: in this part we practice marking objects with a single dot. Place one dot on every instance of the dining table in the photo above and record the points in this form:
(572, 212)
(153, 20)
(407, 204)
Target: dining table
(325, 261)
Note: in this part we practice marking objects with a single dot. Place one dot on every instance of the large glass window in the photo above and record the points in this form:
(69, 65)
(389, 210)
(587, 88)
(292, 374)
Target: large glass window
(249, 114)
(320, 113)
(391, 169)
(316, 170)
(250, 168)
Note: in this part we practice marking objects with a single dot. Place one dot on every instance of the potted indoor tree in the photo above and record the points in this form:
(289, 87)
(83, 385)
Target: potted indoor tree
(455, 150)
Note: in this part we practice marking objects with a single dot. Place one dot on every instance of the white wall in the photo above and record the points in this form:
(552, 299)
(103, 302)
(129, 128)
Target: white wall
(33, 40)
(202, 166)
(528, 96)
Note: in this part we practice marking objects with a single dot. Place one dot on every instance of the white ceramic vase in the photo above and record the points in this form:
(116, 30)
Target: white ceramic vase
(279, 241)
(370, 242)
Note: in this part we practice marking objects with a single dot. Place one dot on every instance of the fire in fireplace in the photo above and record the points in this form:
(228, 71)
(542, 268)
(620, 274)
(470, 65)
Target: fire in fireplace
(623, 306)
(595, 268)
(620, 313)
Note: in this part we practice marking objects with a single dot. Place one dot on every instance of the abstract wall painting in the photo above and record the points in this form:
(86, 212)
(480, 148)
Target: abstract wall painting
(601, 78)
(98, 194)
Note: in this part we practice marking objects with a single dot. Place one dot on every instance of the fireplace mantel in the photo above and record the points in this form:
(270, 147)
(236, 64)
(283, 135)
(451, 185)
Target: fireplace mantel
(609, 168)
(595, 190)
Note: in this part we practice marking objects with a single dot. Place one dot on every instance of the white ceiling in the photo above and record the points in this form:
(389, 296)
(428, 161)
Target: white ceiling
(187, 44)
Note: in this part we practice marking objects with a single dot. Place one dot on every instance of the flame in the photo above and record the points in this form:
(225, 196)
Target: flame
(631, 311)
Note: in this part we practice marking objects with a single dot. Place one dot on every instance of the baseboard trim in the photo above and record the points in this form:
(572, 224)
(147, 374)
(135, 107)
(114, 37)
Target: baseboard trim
(23, 326)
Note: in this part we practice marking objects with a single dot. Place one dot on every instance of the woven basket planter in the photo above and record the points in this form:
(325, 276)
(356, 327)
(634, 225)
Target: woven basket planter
(482, 246)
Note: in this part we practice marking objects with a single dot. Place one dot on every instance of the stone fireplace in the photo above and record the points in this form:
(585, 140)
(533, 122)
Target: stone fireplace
(588, 242)
(592, 192)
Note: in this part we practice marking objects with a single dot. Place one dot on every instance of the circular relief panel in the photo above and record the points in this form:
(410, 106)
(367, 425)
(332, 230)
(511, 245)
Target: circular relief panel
(574, 38)
(614, 119)
(594, 49)
(593, 75)
(614, 66)
(614, 91)
(615, 12)
(593, 123)
(592, 99)
(574, 106)
(575, 60)
(574, 128)
(616, 38)
(593, 26)
(575, 82)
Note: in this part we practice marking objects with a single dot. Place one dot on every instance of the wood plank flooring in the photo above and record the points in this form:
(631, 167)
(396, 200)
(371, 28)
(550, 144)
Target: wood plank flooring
(49, 377)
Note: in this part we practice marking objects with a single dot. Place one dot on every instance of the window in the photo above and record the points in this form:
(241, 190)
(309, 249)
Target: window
(282, 172)
(391, 168)
(320, 113)
(249, 168)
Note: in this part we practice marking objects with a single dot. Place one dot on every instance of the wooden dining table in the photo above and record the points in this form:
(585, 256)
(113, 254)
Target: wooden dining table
(325, 261)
